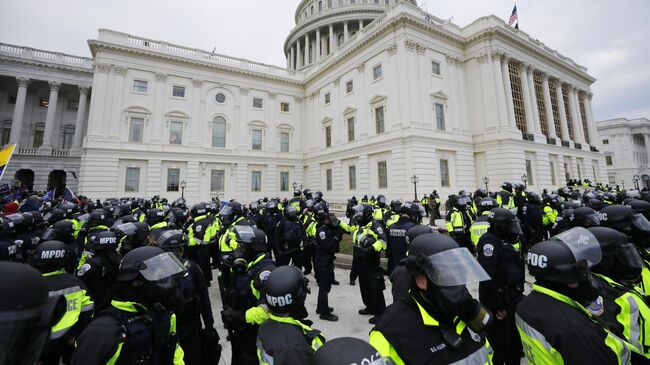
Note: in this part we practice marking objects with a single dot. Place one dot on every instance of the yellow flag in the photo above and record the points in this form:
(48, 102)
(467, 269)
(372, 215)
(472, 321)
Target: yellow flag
(5, 156)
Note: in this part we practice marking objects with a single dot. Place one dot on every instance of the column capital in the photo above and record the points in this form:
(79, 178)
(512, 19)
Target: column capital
(22, 81)
(161, 76)
(83, 89)
(497, 54)
(523, 66)
(54, 85)
(120, 70)
(102, 67)
(543, 75)
(197, 82)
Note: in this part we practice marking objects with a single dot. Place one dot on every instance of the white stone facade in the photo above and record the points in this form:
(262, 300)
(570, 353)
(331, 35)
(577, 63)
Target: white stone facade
(626, 145)
(402, 93)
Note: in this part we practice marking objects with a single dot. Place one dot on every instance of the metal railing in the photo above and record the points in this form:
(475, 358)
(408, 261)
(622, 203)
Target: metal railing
(28, 151)
(566, 144)
(60, 153)
(551, 141)
(528, 136)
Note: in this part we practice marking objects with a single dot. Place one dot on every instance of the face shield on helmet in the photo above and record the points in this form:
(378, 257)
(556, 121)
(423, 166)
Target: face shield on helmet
(629, 263)
(160, 267)
(590, 220)
(641, 223)
(583, 245)
(50, 234)
(126, 229)
(454, 267)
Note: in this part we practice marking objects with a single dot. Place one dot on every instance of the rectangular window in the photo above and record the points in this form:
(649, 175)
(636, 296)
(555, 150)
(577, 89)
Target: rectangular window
(608, 160)
(284, 181)
(73, 105)
(258, 103)
(132, 180)
(178, 91)
(444, 173)
(605, 141)
(351, 129)
(379, 120)
(38, 139)
(140, 86)
(219, 133)
(376, 72)
(554, 108)
(567, 172)
(529, 172)
(136, 129)
(328, 98)
(517, 96)
(217, 180)
(11, 99)
(583, 119)
(382, 175)
(284, 141)
(6, 133)
(256, 180)
(173, 179)
(176, 133)
(328, 179)
(352, 177)
(257, 139)
(66, 140)
(435, 67)
(440, 117)
(541, 105)
(553, 178)
(349, 86)
(284, 107)
(43, 102)
(328, 136)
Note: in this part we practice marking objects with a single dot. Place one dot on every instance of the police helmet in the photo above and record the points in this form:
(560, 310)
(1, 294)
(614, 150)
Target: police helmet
(533, 198)
(253, 239)
(362, 214)
(395, 205)
(104, 240)
(347, 351)
(416, 231)
(38, 217)
(504, 224)
(320, 211)
(154, 216)
(69, 209)
(254, 207)
(198, 210)
(584, 217)
(640, 207)
(131, 235)
(595, 204)
(296, 193)
(28, 218)
(171, 239)
(309, 204)
(318, 196)
(486, 204)
(230, 213)
(410, 209)
(570, 204)
(272, 207)
(286, 289)
(18, 221)
(307, 193)
(291, 213)
(621, 259)
(110, 211)
(97, 217)
(60, 231)
(49, 256)
(150, 264)
(423, 246)
(381, 200)
(54, 216)
(507, 186)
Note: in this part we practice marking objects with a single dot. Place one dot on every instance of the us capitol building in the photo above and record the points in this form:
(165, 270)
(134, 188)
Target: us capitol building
(373, 92)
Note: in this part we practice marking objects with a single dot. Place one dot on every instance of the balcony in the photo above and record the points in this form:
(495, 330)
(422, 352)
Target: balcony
(36, 152)
(528, 136)
(566, 144)
(577, 146)
(551, 141)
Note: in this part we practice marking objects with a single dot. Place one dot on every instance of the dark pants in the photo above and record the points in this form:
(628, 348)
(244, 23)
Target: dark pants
(354, 269)
(294, 257)
(191, 339)
(504, 339)
(307, 257)
(324, 271)
(371, 285)
(201, 255)
(464, 240)
(244, 349)
(426, 210)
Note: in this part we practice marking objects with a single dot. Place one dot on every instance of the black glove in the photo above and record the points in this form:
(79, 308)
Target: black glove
(231, 317)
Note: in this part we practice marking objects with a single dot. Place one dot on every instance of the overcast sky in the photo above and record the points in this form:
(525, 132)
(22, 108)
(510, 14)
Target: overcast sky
(610, 38)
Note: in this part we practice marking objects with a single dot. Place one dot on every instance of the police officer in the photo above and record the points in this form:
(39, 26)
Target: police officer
(381, 212)
(459, 221)
(529, 212)
(63, 231)
(200, 233)
(499, 256)
(193, 303)
(289, 237)
(349, 350)
(554, 325)
(368, 240)
(550, 212)
(328, 236)
(155, 218)
(131, 236)
(400, 277)
(620, 307)
(296, 201)
(99, 273)
(397, 244)
(284, 339)
(270, 220)
(28, 315)
(434, 202)
(480, 225)
(244, 304)
(50, 258)
(504, 197)
(135, 329)
(438, 322)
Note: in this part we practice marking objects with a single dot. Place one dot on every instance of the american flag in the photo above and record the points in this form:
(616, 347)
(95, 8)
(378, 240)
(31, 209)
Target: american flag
(513, 17)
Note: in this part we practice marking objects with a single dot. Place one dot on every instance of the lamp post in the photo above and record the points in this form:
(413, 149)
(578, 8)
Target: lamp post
(415, 180)
(636, 179)
(524, 178)
(183, 185)
(486, 181)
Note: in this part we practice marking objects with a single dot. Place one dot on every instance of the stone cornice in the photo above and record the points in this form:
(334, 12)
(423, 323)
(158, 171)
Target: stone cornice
(53, 66)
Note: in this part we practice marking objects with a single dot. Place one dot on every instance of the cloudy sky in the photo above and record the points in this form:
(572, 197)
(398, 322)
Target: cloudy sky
(611, 38)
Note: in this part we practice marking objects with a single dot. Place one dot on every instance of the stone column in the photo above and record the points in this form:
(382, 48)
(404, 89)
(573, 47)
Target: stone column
(498, 85)
(533, 100)
(646, 140)
(593, 132)
(292, 54)
(158, 110)
(317, 50)
(81, 116)
(561, 111)
(528, 108)
(548, 107)
(19, 110)
(360, 25)
(345, 32)
(298, 55)
(505, 71)
(307, 49)
(46, 147)
(332, 40)
(575, 115)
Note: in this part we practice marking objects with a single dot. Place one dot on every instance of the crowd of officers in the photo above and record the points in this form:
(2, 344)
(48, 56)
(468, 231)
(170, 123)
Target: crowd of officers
(125, 281)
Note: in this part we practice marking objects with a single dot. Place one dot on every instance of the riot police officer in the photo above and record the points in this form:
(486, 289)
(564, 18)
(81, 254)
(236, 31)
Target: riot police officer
(193, 303)
(270, 220)
(131, 236)
(136, 329)
(397, 244)
(554, 325)
(284, 339)
(289, 237)
(99, 273)
(438, 322)
(529, 212)
(63, 231)
(243, 304)
(504, 197)
(200, 234)
(480, 226)
(28, 315)
(50, 258)
(400, 277)
(368, 241)
(155, 218)
(381, 212)
(459, 221)
(498, 254)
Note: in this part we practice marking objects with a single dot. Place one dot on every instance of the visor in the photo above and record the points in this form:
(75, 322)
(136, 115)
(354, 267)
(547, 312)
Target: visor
(583, 245)
(592, 220)
(127, 229)
(641, 223)
(244, 233)
(48, 216)
(515, 228)
(83, 218)
(454, 268)
(161, 266)
(464, 201)
(630, 256)
(49, 235)
(227, 210)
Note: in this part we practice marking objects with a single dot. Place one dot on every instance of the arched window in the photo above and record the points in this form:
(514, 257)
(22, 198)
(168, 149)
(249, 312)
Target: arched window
(219, 132)
(320, 6)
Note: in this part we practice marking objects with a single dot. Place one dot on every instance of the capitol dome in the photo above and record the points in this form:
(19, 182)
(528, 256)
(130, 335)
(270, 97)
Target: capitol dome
(325, 25)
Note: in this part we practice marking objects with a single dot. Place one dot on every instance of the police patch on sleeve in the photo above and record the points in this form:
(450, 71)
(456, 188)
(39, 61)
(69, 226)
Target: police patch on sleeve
(264, 275)
(380, 230)
(322, 235)
(488, 250)
(83, 269)
(597, 307)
